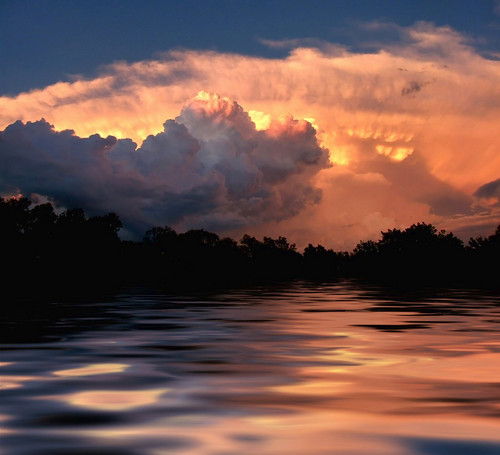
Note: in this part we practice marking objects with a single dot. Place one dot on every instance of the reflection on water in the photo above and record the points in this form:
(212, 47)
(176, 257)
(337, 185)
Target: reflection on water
(88, 370)
(113, 400)
(297, 369)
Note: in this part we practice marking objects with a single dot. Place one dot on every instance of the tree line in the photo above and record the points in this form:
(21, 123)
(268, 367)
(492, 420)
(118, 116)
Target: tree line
(41, 247)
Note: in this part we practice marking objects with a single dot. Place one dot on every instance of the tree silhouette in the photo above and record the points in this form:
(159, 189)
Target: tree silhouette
(14, 215)
(322, 263)
(40, 246)
(484, 256)
(161, 237)
(415, 252)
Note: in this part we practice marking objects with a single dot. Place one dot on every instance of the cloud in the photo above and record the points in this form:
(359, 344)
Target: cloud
(411, 128)
(412, 87)
(411, 179)
(489, 190)
(311, 43)
(209, 167)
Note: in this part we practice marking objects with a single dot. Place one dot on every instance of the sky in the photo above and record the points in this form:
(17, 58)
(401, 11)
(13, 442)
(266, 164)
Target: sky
(323, 121)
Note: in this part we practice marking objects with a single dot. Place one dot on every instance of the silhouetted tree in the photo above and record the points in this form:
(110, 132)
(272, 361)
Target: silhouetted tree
(272, 257)
(102, 238)
(484, 257)
(417, 251)
(162, 237)
(491, 243)
(322, 263)
(13, 215)
(199, 238)
(39, 232)
(368, 248)
(41, 219)
(36, 243)
(250, 245)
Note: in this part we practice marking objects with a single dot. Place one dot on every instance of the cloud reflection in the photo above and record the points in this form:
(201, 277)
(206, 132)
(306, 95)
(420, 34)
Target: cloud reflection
(113, 400)
(96, 368)
(14, 382)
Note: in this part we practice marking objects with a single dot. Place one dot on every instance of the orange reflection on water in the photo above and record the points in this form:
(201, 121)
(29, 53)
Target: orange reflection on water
(313, 387)
(14, 382)
(318, 380)
(318, 431)
(113, 400)
(96, 368)
(475, 368)
(10, 381)
(4, 431)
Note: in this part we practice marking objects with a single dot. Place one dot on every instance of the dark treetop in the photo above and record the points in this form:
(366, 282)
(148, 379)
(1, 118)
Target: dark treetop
(42, 250)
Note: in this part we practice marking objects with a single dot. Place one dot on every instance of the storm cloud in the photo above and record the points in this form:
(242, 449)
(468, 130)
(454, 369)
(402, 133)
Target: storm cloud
(209, 167)
(411, 130)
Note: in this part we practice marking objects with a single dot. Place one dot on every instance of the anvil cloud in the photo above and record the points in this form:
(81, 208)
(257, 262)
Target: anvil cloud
(411, 131)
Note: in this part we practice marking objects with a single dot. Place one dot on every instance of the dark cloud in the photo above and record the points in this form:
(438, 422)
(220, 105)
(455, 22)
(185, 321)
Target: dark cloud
(209, 168)
(489, 190)
(412, 87)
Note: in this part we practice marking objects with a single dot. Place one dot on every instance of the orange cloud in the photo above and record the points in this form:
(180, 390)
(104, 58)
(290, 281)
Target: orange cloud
(429, 103)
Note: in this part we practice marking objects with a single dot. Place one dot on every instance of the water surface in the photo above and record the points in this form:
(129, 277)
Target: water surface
(300, 368)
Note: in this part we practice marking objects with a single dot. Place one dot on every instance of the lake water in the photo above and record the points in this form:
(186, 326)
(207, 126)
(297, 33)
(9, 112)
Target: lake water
(292, 369)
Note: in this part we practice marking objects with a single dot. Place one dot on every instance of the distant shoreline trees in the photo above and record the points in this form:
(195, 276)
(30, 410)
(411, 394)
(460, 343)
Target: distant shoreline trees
(42, 248)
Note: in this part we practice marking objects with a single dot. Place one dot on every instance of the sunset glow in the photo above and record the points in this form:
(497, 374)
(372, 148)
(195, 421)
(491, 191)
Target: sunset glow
(425, 109)
(253, 228)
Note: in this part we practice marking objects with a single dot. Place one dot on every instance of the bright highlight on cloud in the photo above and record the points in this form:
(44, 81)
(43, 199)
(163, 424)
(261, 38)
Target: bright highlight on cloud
(411, 130)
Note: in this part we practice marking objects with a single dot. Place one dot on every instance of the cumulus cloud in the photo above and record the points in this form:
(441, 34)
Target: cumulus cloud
(411, 128)
(210, 167)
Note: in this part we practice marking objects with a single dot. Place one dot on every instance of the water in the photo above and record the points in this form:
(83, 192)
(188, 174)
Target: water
(296, 369)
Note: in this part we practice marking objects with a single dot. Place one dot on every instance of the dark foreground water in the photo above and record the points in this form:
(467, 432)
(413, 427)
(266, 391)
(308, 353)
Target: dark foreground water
(297, 369)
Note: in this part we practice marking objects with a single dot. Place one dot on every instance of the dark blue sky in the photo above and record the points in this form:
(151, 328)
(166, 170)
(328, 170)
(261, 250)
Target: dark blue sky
(45, 41)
